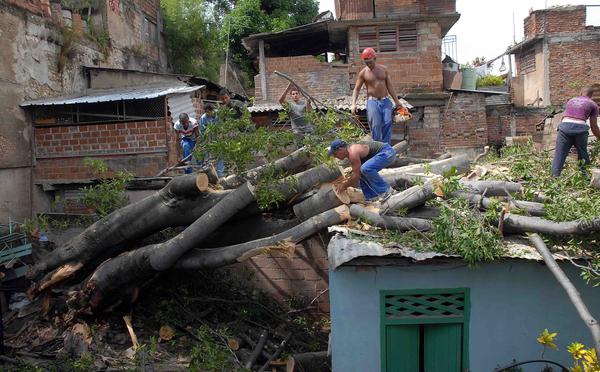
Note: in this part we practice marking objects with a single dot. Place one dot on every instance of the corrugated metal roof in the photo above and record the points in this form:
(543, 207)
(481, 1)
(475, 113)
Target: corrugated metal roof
(339, 103)
(343, 248)
(181, 103)
(110, 95)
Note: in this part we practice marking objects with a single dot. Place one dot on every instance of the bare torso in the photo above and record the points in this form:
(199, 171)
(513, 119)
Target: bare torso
(375, 80)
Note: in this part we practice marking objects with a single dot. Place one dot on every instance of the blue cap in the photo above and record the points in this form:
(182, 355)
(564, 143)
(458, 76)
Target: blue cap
(336, 144)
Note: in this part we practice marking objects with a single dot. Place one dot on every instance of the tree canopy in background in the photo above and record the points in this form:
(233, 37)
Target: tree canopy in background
(196, 30)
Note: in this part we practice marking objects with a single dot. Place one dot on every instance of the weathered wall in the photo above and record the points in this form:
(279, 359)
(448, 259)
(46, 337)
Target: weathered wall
(463, 124)
(555, 20)
(507, 121)
(13, 201)
(532, 81)
(60, 150)
(363, 9)
(511, 303)
(31, 40)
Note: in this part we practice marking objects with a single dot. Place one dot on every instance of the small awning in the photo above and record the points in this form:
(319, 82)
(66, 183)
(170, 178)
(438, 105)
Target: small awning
(523, 45)
(111, 95)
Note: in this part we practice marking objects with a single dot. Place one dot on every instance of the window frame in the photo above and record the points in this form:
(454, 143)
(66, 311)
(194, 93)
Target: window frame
(399, 48)
(464, 320)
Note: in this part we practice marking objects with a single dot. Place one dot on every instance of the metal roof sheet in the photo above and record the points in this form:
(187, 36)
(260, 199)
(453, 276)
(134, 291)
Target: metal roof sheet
(344, 247)
(110, 95)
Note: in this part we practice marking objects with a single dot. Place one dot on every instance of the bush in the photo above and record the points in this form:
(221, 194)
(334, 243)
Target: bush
(490, 81)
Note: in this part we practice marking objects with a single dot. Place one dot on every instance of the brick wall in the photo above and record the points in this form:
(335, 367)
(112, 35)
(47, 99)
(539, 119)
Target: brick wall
(464, 123)
(555, 20)
(568, 74)
(143, 148)
(410, 70)
(363, 9)
(501, 119)
(304, 275)
(320, 79)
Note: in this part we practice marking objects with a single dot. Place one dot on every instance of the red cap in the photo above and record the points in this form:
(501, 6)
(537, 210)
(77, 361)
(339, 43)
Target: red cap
(368, 53)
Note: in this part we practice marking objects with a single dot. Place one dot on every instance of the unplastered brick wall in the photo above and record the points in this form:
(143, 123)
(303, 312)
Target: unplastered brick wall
(410, 70)
(60, 150)
(424, 136)
(555, 20)
(573, 64)
(303, 275)
(323, 80)
(501, 120)
(464, 123)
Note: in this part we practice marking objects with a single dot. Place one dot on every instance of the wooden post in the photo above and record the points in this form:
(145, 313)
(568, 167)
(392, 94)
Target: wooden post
(262, 70)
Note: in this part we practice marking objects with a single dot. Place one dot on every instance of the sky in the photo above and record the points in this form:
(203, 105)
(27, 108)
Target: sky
(485, 27)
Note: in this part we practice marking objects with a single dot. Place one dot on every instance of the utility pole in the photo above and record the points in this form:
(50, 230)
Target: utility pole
(227, 51)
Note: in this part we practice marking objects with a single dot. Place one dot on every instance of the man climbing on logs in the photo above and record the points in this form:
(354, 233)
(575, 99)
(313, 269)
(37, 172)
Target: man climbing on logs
(379, 106)
(367, 159)
(187, 128)
(574, 129)
(237, 106)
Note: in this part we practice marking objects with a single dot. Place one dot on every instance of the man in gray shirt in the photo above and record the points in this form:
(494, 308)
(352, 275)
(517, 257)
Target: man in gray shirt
(297, 111)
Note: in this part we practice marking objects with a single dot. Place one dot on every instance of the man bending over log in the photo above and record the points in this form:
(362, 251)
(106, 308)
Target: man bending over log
(367, 159)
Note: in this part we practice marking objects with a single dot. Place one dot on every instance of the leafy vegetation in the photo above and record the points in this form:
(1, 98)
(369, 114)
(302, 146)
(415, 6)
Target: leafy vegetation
(489, 81)
(109, 194)
(584, 359)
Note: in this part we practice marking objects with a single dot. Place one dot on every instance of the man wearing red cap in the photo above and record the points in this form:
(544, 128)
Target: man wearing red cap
(379, 107)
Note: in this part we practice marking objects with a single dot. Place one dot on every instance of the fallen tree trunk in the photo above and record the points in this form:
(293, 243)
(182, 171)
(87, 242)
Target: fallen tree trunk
(215, 257)
(480, 201)
(181, 200)
(325, 199)
(141, 264)
(521, 224)
(401, 161)
(294, 161)
(401, 147)
(251, 228)
(397, 176)
(389, 222)
(572, 292)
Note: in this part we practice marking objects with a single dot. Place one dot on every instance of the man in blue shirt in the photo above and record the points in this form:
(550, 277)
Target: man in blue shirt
(209, 118)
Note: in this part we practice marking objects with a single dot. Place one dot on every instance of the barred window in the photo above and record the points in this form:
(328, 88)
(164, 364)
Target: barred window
(388, 38)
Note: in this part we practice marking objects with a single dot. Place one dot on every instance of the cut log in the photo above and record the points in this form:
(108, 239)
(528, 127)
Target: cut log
(215, 257)
(424, 212)
(521, 224)
(276, 352)
(305, 362)
(410, 198)
(141, 264)
(294, 161)
(234, 343)
(325, 199)
(390, 223)
(395, 176)
(257, 350)
(572, 292)
(401, 161)
(479, 201)
(595, 181)
(493, 188)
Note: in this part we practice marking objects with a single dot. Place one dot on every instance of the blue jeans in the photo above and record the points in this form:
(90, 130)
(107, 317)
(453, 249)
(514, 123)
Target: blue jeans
(569, 135)
(371, 182)
(379, 115)
(220, 168)
(187, 145)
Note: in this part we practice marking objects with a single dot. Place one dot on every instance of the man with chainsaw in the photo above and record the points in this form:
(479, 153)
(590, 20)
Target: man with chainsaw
(379, 107)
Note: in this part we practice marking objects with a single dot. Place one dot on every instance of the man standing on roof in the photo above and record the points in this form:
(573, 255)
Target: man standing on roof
(367, 158)
(297, 111)
(187, 128)
(379, 107)
(574, 129)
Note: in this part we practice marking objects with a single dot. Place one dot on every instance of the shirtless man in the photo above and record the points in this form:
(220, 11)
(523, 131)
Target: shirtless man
(379, 106)
(367, 159)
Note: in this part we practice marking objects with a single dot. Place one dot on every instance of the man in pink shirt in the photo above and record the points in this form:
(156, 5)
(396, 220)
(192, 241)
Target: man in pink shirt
(574, 129)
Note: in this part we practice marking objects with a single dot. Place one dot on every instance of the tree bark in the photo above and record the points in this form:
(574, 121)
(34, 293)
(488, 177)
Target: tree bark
(401, 147)
(257, 350)
(325, 199)
(568, 286)
(216, 257)
(521, 224)
(390, 223)
(251, 228)
(139, 265)
(305, 362)
(294, 161)
(480, 201)
(179, 202)
(409, 198)
(394, 176)
(401, 161)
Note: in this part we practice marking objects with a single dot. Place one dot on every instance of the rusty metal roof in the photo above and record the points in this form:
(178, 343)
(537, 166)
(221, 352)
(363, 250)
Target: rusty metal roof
(110, 95)
(345, 246)
(339, 103)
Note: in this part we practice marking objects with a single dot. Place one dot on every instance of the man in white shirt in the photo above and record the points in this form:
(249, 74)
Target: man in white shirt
(187, 128)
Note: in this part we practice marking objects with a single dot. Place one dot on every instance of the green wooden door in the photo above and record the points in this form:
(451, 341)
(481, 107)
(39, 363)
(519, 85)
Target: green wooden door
(442, 347)
(402, 348)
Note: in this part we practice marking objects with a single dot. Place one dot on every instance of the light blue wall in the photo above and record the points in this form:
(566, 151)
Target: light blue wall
(511, 303)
